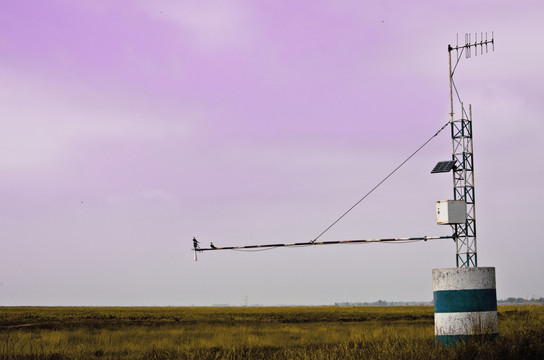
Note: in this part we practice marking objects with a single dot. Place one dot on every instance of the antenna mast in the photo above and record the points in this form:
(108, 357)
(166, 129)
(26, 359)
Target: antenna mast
(463, 170)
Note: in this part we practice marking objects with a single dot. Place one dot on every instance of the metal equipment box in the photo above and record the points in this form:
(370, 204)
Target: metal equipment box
(451, 212)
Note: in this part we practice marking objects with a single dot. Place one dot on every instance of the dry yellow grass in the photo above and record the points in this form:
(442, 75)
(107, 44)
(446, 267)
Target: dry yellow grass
(254, 333)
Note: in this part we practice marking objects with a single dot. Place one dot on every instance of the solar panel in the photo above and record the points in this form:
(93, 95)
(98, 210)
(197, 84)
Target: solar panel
(443, 166)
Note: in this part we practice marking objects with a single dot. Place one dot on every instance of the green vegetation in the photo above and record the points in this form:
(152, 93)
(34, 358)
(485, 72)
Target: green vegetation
(254, 333)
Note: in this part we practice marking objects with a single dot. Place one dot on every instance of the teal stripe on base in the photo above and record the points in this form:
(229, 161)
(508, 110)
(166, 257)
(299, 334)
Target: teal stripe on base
(452, 340)
(448, 301)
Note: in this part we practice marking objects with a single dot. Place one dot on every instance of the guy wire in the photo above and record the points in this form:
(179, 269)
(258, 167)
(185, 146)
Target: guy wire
(381, 182)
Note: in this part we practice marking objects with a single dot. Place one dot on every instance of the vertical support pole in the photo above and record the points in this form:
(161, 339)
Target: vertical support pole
(463, 178)
(454, 227)
(471, 216)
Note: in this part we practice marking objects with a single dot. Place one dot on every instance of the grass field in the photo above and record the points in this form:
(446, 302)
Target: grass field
(254, 333)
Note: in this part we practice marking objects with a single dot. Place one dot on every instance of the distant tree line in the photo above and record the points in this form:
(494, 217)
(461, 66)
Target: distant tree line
(384, 303)
(510, 300)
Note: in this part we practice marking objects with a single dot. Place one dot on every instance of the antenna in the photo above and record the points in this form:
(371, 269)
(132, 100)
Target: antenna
(469, 45)
(463, 169)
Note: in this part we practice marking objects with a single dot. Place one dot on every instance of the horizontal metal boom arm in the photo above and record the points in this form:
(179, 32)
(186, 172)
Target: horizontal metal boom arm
(332, 242)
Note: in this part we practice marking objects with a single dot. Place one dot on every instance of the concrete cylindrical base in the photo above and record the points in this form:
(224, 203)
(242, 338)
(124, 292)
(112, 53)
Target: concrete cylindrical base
(465, 304)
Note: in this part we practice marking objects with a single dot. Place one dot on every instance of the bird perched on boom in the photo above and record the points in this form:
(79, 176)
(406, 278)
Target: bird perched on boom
(195, 243)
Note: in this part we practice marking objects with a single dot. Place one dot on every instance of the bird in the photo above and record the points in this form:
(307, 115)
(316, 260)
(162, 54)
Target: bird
(195, 243)
(212, 245)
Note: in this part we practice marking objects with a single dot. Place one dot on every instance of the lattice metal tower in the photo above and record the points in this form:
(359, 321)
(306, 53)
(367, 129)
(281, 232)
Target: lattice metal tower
(462, 155)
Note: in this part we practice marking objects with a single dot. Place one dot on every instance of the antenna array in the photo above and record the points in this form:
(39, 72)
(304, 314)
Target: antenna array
(469, 45)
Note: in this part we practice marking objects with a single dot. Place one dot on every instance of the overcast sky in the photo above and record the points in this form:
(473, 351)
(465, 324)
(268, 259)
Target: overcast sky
(128, 127)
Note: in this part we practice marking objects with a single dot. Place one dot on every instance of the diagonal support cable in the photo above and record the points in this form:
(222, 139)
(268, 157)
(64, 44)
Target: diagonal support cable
(380, 183)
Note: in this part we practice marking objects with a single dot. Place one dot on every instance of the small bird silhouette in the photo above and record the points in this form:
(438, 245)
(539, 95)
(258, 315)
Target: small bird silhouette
(212, 245)
(195, 243)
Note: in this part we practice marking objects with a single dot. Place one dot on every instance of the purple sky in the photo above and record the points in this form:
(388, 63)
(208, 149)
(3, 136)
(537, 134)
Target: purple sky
(128, 127)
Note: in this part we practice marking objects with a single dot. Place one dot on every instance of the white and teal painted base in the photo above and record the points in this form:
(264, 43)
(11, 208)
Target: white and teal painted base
(465, 304)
